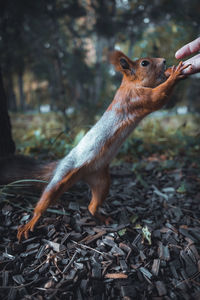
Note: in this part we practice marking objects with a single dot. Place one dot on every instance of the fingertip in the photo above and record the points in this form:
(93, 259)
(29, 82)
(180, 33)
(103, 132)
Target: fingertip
(177, 55)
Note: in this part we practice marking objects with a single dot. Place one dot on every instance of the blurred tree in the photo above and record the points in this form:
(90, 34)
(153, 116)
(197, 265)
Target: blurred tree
(7, 146)
(65, 43)
(32, 38)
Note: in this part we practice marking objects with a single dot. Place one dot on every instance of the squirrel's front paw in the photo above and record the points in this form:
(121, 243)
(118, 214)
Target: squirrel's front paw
(176, 72)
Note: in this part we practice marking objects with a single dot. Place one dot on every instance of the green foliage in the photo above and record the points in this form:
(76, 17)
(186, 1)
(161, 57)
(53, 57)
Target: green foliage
(43, 135)
(146, 234)
(182, 188)
(168, 137)
(122, 232)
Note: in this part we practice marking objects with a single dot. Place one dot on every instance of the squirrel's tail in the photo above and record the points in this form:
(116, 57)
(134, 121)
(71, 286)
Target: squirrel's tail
(18, 167)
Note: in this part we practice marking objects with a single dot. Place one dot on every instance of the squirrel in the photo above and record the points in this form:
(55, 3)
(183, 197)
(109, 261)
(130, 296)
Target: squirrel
(146, 86)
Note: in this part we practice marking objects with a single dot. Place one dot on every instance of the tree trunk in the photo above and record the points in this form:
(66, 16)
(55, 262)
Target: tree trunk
(11, 97)
(111, 43)
(100, 43)
(21, 91)
(7, 145)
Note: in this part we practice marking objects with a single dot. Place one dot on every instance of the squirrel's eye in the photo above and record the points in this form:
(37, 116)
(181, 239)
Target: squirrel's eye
(145, 63)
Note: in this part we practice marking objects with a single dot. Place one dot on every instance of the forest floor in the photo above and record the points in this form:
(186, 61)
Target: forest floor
(150, 251)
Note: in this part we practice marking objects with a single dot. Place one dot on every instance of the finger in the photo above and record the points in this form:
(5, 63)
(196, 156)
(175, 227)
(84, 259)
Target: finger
(193, 68)
(188, 49)
(191, 59)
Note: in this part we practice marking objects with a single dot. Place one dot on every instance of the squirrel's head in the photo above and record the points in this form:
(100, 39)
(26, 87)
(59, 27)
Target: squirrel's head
(148, 72)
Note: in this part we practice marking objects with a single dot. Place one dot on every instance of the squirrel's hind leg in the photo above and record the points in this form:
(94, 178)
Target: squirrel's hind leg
(49, 197)
(99, 183)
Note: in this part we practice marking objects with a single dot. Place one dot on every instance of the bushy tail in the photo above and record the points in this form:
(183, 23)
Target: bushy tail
(18, 167)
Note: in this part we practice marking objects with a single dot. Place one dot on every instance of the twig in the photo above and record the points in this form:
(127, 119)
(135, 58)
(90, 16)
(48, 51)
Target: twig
(18, 286)
(70, 262)
(87, 247)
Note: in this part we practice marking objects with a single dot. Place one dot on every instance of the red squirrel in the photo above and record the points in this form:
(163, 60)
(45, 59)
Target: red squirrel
(144, 88)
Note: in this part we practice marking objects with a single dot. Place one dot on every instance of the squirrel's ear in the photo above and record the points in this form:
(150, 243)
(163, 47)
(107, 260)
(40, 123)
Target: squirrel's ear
(119, 60)
(124, 64)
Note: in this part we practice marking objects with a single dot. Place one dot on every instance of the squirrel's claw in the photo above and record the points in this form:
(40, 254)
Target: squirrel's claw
(23, 230)
(102, 219)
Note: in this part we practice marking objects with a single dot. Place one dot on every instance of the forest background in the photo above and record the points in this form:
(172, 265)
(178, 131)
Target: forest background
(58, 80)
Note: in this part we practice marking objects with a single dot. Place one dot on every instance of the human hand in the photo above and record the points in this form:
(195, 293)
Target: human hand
(186, 50)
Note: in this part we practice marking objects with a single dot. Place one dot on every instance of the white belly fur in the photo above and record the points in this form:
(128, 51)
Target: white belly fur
(91, 144)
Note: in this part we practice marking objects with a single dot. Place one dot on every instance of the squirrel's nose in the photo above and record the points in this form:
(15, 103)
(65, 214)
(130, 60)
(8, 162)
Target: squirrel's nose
(162, 61)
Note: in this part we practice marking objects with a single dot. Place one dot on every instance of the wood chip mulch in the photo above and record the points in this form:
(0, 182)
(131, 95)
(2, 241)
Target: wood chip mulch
(151, 251)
